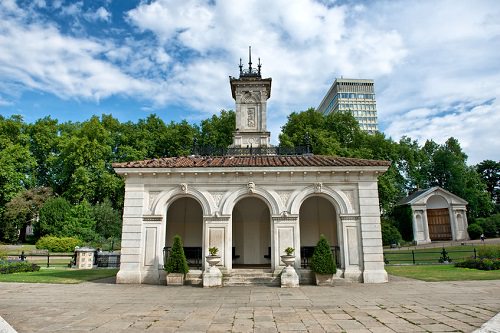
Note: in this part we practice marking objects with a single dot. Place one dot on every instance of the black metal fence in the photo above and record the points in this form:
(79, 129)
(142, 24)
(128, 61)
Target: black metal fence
(101, 259)
(415, 257)
(216, 151)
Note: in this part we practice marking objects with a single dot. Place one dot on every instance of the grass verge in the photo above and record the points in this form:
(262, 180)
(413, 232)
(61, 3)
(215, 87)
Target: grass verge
(434, 273)
(62, 276)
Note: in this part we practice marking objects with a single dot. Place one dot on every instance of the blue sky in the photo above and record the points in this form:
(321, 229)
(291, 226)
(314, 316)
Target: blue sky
(435, 63)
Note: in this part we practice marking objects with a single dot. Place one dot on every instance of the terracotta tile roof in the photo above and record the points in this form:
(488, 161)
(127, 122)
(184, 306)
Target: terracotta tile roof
(251, 161)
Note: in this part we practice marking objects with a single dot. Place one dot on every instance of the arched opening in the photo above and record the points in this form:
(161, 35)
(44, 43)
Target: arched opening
(185, 218)
(251, 233)
(317, 216)
(438, 218)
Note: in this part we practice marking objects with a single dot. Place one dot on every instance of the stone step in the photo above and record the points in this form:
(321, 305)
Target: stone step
(245, 277)
(194, 278)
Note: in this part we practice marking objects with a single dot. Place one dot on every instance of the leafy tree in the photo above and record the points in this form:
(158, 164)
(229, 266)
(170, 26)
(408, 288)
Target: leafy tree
(54, 215)
(490, 173)
(108, 220)
(44, 146)
(217, 131)
(81, 223)
(22, 210)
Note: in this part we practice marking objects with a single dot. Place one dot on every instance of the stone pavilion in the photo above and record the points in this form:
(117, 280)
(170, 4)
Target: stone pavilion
(251, 203)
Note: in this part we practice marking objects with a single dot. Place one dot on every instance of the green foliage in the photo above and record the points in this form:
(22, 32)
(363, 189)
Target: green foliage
(213, 250)
(402, 217)
(490, 173)
(390, 234)
(58, 244)
(474, 231)
(108, 220)
(176, 262)
(484, 264)
(54, 215)
(488, 225)
(322, 259)
(489, 251)
(289, 251)
(217, 131)
(9, 267)
(22, 210)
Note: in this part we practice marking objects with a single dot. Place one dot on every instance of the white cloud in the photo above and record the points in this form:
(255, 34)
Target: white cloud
(39, 57)
(101, 14)
(303, 45)
(474, 128)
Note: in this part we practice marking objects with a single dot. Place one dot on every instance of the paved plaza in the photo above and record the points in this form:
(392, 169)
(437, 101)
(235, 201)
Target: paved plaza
(402, 305)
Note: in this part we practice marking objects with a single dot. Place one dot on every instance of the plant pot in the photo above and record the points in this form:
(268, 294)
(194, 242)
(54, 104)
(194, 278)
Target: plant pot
(289, 261)
(324, 279)
(175, 279)
(213, 260)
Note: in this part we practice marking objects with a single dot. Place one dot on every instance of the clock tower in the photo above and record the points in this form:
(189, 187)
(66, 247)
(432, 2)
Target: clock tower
(251, 92)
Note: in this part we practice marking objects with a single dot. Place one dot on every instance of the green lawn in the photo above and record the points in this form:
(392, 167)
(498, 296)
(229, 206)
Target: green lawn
(63, 276)
(432, 273)
(429, 255)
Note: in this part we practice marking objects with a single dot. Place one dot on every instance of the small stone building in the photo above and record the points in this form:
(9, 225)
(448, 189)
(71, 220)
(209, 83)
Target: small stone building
(437, 215)
(251, 203)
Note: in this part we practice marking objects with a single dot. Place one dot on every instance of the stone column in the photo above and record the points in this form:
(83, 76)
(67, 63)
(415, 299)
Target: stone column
(371, 233)
(284, 233)
(218, 232)
(131, 247)
(153, 240)
(351, 247)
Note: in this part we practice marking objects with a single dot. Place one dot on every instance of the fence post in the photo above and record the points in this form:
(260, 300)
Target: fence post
(413, 256)
(48, 259)
(475, 255)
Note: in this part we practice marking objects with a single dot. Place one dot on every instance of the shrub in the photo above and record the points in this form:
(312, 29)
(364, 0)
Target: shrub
(58, 244)
(390, 234)
(474, 231)
(322, 258)
(482, 264)
(489, 251)
(488, 225)
(177, 262)
(9, 267)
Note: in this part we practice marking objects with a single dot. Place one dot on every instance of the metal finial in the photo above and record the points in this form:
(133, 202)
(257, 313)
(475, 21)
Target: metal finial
(241, 67)
(259, 66)
(250, 59)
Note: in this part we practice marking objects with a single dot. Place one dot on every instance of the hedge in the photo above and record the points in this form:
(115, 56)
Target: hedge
(482, 264)
(58, 244)
(9, 267)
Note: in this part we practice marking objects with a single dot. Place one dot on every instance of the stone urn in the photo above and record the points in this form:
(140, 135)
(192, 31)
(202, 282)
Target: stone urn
(288, 260)
(213, 260)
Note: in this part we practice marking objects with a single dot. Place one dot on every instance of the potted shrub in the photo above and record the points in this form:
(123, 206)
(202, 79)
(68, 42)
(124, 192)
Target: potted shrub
(288, 259)
(176, 265)
(322, 263)
(213, 259)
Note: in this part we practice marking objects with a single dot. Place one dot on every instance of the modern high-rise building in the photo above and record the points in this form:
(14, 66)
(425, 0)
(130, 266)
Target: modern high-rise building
(353, 95)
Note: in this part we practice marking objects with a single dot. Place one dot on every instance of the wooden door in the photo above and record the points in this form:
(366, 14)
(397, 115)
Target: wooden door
(439, 224)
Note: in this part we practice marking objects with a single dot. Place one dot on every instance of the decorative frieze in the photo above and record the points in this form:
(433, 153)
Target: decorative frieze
(152, 218)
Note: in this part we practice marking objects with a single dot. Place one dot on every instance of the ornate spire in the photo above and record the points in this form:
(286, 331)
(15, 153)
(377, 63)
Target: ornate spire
(250, 72)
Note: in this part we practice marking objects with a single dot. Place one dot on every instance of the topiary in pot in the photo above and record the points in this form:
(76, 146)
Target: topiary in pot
(176, 265)
(322, 263)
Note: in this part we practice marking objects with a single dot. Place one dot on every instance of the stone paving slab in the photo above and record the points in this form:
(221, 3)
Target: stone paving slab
(398, 306)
